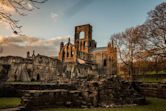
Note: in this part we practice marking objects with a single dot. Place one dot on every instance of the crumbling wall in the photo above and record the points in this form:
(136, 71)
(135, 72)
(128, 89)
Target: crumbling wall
(76, 70)
(4, 73)
(19, 72)
(92, 91)
(109, 92)
(153, 89)
(41, 68)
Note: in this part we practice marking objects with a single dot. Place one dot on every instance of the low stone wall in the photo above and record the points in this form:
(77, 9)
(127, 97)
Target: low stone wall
(94, 92)
(153, 89)
(42, 86)
(33, 99)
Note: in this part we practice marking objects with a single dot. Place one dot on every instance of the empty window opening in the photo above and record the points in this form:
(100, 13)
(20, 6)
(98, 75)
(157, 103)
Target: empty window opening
(63, 54)
(67, 54)
(82, 35)
(105, 63)
(84, 45)
(38, 77)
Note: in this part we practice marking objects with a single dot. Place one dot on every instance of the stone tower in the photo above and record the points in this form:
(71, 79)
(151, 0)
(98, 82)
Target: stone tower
(84, 43)
(112, 58)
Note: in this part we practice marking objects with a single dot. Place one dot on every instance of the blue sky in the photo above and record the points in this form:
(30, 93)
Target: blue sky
(59, 17)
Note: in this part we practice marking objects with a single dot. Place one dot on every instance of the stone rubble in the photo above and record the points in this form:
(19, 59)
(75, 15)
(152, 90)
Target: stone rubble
(90, 91)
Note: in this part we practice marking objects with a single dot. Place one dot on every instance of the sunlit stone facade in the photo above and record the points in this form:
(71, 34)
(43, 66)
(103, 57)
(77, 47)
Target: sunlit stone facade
(84, 51)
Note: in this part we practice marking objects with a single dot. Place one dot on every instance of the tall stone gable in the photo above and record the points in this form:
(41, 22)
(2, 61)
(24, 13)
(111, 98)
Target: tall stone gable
(84, 51)
(84, 44)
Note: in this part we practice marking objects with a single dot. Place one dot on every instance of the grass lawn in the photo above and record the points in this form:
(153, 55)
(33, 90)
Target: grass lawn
(9, 102)
(154, 104)
(152, 80)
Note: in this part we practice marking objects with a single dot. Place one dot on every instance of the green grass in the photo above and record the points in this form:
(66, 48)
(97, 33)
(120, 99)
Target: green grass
(9, 102)
(154, 104)
(151, 80)
(152, 72)
(148, 79)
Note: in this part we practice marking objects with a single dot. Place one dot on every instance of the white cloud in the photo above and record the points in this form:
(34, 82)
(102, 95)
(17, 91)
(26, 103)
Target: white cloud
(29, 5)
(19, 45)
(54, 16)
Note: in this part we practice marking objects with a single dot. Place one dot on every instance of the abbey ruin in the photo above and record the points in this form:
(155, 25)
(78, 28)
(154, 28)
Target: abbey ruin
(83, 75)
(80, 58)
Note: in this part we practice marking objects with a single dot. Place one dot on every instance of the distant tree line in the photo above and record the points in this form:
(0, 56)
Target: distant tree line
(143, 48)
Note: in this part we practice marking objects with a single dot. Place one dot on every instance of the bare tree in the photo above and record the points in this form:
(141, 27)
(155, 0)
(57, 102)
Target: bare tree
(144, 47)
(126, 43)
(155, 27)
(20, 7)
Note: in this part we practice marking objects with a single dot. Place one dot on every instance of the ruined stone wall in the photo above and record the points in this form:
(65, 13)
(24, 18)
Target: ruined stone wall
(41, 68)
(106, 59)
(84, 56)
(3, 73)
(67, 53)
(12, 59)
(93, 91)
(112, 58)
(84, 44)
(19, 72)
(46, 69)
(76, 70)
(153, 89)
(84, 50)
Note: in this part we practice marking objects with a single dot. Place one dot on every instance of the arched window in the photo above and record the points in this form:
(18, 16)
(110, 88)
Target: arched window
(38, 77)
(84, 45)
(89, 44)
(71, 54)
(63, 54)
(71, 50)
(105, 62)
(82, 35)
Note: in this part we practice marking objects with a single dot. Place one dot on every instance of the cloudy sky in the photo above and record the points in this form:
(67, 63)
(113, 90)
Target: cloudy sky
(44, 28)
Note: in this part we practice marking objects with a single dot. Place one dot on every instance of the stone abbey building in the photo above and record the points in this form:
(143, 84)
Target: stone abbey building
(84, 50)
(79, 77)
(75, 60)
